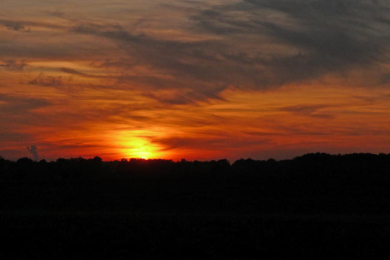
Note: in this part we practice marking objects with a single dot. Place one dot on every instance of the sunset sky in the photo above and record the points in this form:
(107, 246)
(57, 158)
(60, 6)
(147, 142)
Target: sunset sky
(194, 79)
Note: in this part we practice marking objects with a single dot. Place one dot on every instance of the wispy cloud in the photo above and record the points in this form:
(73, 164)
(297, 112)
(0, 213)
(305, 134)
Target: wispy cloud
(318, 37)
(15, 26)
(12, 104)
(46, 81)
(13, 65)
(258, 45)
(309, 110)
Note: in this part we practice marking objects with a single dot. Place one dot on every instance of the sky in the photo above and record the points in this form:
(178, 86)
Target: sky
(193, 79)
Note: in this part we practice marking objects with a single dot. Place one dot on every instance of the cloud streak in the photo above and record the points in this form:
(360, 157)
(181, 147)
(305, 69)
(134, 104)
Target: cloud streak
(19, 105)
(309, 110)
(13, 65)
(321, 37)
(15, 26)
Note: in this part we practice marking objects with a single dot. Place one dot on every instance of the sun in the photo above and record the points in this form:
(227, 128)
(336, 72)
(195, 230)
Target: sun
(137, 147)
(140, 144)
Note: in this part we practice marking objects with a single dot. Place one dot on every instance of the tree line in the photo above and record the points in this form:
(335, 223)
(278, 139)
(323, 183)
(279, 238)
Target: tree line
(309, 168)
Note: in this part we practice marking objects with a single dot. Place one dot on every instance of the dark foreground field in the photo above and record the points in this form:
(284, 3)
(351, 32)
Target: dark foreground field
(284, 211)
(122, 236)
(120, 220)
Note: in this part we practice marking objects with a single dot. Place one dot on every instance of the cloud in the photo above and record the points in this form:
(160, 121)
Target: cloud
(261, 45)
(81, 74)
(15, 26)
(46, 81)
(250, 44)
(187, 63)
(11, 104)
(317, 37)
(309, 110)
(173, 99)
(114, 63)
(34, 152)
(13, 65)
(56, 13)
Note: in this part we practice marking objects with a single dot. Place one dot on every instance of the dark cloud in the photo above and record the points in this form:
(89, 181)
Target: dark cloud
(85, 75)
(13, 65)
(323, 36)
(34, 152)
(15, 26)
(260, 44)
(189, 64)
(56, 13)
(18, 25)
(309, 110)
(11, 104)
(309, 40)
(46, 81)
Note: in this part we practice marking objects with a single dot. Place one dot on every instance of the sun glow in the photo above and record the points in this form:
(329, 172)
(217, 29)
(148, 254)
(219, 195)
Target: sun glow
(140, 148)
(133, 146)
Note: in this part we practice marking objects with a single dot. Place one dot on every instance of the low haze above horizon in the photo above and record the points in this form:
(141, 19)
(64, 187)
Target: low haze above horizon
(193, 79)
